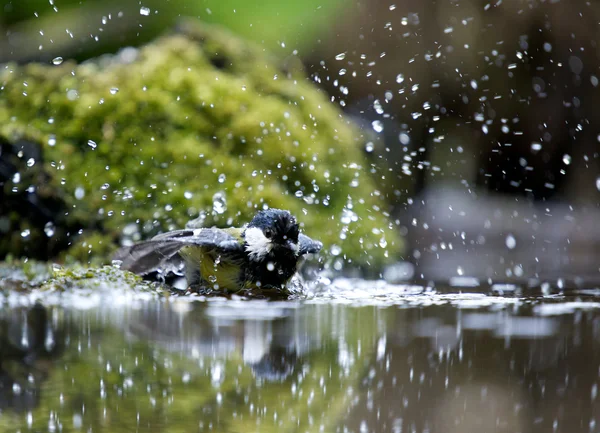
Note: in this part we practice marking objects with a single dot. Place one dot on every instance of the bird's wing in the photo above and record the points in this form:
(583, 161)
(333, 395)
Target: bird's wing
(156, 253)
(308, 246)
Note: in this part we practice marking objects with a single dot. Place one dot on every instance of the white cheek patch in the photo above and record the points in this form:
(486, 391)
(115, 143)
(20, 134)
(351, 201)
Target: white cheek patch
(258, 245)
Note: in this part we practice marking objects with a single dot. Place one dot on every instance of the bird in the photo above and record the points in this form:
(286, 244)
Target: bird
(263, 254)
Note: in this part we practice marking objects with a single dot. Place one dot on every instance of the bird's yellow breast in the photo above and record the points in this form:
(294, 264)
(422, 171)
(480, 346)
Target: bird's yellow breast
(216, 270)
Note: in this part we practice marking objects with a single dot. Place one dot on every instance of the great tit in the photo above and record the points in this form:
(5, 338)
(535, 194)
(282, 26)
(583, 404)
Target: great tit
(265, 253)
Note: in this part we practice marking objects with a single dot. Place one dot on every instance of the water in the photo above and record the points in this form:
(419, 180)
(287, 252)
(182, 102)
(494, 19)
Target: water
(355, 357)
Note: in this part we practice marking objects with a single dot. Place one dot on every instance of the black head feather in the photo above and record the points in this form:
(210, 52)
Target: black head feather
(276, 224)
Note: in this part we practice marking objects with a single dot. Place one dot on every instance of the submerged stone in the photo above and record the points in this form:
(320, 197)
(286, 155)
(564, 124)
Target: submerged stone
(196, 125)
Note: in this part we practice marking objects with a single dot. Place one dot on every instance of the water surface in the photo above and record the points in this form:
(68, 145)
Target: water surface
(356, 357)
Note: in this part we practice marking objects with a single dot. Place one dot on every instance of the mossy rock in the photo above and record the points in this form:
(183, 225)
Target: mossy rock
(196, 123)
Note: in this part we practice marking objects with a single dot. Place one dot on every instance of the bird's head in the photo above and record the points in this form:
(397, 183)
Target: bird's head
(271, 230)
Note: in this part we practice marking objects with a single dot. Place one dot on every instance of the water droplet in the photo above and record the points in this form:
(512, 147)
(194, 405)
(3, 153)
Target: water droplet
(348, 216)
(270, 266)
(598, 183)
(188, 195)
(219, 203)
(382, 243)
(340, 56)
(16, 177)
(144, 11)
(536, 147)
(404, 138)
(511, 242)
(79, 193)
(369, 147)
(25, 233)
(30, 162)
(460, 271)
(72, 94)
(52, 140)
(222, 178)
(299, 194)
(377, 125)
(335, 250)
(57, 61)
(49, 229)
(114, 90)
(377, 106)
(566, 159)
(92, 144)
(400, 78)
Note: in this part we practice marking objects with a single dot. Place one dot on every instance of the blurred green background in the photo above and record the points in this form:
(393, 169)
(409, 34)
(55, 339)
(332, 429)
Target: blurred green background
(82, 29)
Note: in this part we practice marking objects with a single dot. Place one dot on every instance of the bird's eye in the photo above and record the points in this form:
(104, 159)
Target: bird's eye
(269, 233)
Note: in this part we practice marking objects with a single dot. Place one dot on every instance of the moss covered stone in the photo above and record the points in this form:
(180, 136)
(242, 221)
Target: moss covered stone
(197, 123)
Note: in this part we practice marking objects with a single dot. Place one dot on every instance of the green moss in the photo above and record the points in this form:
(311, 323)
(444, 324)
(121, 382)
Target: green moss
(77, 278)
(150, 142)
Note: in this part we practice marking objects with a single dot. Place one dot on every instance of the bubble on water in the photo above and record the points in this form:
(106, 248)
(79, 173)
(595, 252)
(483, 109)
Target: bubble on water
(49, 229)
(510, 242)
(52, 140)
(222, 178)
(219, 203)
(400, 78)
(30, 162)
(377, 125)
(144, 11)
